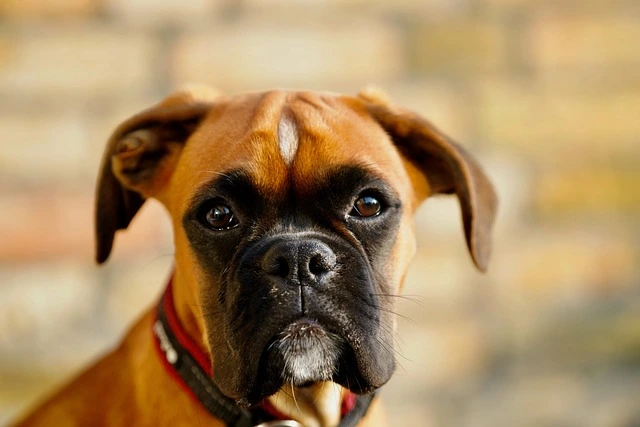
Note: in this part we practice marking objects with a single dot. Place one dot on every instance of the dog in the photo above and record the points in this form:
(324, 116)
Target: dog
(292, 219)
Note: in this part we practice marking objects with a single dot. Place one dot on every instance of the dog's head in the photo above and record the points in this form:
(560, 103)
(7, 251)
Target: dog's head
(292, 215)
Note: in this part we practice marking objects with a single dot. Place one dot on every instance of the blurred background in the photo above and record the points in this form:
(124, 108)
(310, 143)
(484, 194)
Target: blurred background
(545, 92)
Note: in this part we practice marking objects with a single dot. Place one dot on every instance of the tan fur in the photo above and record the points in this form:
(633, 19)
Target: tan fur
(234, 133)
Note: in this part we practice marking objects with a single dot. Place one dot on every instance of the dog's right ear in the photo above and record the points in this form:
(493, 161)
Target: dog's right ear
(140, 157)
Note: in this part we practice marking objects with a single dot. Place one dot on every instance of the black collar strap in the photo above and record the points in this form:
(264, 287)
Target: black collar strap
(189, 365)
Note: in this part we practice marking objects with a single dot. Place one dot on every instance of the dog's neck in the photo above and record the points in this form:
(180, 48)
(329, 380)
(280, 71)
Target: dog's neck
(319, 405)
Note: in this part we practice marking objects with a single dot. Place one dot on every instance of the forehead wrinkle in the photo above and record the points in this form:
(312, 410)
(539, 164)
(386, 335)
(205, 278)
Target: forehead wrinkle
(241, 133)
(267, 165)
(263, 115)
(333, 134)
(320, 127)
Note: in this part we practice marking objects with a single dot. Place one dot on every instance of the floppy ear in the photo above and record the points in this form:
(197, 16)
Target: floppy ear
(448, 168)
(140, 157)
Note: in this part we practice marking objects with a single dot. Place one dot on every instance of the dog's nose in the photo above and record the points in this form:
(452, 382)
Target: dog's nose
(300, 262)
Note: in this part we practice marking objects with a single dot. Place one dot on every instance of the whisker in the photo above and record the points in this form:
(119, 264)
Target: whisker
(293, 392)
(378, 307)
(416, 299)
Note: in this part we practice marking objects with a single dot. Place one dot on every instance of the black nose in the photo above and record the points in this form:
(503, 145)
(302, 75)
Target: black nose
(300, 261)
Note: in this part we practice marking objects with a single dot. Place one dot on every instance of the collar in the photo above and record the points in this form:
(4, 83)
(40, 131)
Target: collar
(189, 365)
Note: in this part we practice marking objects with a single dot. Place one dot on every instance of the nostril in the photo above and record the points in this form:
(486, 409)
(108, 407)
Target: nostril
(277, 266)
(317, 266)
(321, 263)
(281, 267)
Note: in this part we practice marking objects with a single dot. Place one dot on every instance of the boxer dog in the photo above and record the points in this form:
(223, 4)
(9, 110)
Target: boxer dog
(292, 219)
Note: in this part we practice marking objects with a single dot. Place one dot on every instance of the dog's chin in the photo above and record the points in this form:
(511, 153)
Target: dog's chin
(308, 353)
(303, 354)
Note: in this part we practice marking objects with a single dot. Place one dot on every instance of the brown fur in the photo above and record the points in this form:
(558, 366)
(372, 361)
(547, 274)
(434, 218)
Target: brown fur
(130, 386)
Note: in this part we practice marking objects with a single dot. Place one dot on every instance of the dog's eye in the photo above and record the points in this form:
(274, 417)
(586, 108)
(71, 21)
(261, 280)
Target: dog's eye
(220, 217)
(366, 206)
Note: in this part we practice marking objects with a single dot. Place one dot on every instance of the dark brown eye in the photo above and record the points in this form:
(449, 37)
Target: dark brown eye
(220, 217)
(366, 206)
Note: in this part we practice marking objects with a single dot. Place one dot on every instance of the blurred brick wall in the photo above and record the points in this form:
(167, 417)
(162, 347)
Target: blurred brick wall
(547, 93)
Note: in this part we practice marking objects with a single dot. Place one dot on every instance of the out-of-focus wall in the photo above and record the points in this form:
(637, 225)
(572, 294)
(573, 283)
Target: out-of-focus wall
(546, 93)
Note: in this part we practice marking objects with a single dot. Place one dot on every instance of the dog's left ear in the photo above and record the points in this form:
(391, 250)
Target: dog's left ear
(140, 157)
(448, 168)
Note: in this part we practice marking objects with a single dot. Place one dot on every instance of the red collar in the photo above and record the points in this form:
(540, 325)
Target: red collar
(176, 348)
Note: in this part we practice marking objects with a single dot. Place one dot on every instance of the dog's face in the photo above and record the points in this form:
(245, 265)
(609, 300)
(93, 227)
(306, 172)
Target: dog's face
(292, 234)
(292, 221)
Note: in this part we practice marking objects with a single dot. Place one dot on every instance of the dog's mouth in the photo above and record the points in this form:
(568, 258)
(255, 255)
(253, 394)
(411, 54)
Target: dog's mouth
(303, 354)
(305, 351)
